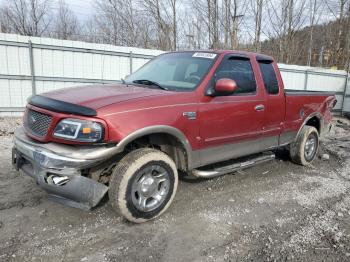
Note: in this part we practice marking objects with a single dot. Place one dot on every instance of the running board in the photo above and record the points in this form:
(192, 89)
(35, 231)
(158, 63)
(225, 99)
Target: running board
(219, 171)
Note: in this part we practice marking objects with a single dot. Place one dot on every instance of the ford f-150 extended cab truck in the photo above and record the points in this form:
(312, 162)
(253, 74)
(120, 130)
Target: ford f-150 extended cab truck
(188, 112)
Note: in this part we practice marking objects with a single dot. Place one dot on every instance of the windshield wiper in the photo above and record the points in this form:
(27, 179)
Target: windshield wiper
(149, 83)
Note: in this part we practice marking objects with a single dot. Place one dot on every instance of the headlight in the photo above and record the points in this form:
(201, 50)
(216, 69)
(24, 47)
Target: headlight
(79, 130)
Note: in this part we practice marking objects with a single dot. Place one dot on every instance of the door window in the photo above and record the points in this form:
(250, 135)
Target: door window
(240, 70)
(269, 77)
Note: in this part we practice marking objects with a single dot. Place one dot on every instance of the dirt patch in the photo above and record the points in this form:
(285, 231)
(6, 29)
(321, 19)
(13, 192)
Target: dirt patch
(8, 125)
(272, 212)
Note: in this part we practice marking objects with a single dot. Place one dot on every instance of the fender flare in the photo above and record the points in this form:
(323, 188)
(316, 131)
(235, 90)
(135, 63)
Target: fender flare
(315, 114)
(158, 129)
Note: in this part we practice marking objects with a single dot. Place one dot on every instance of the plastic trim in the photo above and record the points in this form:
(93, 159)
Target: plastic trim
(60, 106)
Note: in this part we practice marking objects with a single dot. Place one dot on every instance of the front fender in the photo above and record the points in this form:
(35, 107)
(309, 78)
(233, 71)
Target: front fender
(192, 160)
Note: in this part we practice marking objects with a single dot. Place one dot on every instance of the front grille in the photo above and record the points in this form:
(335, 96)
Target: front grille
(38, 123)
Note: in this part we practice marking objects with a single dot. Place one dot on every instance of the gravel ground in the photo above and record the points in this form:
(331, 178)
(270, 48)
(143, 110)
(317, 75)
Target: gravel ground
(272, 212)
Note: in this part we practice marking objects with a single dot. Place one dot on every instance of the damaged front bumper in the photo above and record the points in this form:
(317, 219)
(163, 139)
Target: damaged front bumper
(57, 169)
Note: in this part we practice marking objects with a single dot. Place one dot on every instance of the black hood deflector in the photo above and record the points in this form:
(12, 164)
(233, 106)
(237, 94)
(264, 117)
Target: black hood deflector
(60, 106)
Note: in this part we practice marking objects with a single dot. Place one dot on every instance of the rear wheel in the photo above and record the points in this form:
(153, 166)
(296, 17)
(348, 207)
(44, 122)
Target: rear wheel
(143, 185)
(304, 150)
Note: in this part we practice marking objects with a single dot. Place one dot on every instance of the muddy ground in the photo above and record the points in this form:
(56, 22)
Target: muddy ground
(272, 212)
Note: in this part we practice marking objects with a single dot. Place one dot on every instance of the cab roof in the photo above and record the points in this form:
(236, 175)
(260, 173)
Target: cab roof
(257, 56)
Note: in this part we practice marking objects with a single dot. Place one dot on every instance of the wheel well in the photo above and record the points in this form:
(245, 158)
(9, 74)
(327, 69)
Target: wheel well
(315, 122)
(167, 143)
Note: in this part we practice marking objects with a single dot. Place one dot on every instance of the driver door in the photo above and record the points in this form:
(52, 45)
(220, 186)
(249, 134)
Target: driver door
(231, 125)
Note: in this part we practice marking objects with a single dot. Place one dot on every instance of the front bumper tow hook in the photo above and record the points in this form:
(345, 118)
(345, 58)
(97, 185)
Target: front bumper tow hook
(57, 180)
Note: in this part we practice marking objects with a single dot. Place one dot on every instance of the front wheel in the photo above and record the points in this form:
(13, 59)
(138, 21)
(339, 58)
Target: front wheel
(143, 185)
(304, 150)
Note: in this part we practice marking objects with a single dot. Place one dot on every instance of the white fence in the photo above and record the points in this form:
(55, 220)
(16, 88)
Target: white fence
(318, 79)
(31, 65)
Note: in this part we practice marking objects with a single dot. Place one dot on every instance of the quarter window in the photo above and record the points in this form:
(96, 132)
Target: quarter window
(269, 77)
(240, 70)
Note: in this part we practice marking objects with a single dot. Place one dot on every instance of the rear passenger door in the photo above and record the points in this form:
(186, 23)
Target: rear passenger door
(229, 125)
(275, 100)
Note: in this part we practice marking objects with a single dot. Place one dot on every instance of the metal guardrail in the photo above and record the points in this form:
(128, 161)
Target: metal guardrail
(74, 49)
(59, 79)
(12, 109)
(311, 72)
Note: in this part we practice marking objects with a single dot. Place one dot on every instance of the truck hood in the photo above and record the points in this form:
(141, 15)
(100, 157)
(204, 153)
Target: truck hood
(97, 96)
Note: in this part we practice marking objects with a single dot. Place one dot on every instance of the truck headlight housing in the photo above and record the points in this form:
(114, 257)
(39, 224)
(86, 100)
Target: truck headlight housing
(79, 130)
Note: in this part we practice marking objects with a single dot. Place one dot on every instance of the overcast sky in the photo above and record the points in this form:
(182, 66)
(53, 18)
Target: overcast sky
(82, 8)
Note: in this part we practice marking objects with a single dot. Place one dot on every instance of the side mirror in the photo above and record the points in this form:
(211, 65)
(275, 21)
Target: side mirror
(225, 86)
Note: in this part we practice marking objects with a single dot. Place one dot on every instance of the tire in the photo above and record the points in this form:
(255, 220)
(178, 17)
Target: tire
(300, 150)
(143, 174)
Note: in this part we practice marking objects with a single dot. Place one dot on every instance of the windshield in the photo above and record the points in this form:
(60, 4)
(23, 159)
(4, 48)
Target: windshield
(174, 71)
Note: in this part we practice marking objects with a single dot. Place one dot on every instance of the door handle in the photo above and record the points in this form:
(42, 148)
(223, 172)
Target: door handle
(259, 108)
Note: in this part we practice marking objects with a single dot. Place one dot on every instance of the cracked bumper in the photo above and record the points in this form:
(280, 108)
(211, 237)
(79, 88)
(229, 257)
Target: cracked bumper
(43, 162)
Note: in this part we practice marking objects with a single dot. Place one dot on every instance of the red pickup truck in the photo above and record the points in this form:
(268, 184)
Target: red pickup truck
(182, 111)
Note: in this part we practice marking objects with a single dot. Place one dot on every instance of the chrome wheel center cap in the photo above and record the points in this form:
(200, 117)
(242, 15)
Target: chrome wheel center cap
(148, 186)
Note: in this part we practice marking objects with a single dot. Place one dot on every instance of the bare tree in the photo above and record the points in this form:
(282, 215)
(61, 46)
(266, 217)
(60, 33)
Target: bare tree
(132, 23)
(286, 18)
(222, 22)
(108, 21)
(235, 14)
(200, 19)
(194, 37)
(207, 16)
(173, 5)
(4, 22)
(339, 9)
(231, 16)
(145, 33)
(314, 6)
(128, 17)
(160, 17)
(116, 22)
(213, 7)
(347, 41)
(296, 19)
(66, 25)
(257, 6)
(226, 21)
(28, 17)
